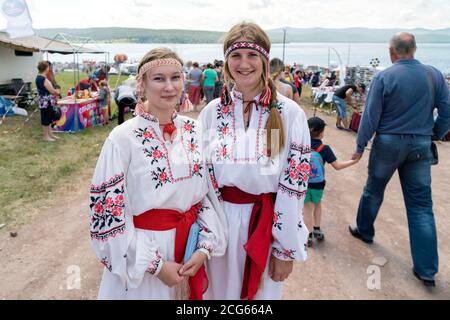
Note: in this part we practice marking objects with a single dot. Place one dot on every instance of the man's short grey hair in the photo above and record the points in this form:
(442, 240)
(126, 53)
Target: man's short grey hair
(403, 43)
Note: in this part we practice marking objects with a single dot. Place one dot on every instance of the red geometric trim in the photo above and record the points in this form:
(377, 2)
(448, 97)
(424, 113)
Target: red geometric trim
(304, 149)
(106, 185)
(104, 236)
(291, 192)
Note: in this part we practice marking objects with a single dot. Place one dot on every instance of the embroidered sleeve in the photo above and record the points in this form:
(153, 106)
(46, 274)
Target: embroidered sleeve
(155, 265)
(114, 240)
(107, 211)
(212, 236)
(290, 233)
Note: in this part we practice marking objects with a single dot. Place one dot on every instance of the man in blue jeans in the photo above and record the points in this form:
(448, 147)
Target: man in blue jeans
(399, 109)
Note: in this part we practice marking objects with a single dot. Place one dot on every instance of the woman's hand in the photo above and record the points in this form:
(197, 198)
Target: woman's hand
(279, 270)
(191, 267)
(169, 274)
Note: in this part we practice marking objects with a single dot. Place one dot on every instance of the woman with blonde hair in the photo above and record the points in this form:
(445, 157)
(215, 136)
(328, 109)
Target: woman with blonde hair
(259, 145)
(276, 73)
(149, 188)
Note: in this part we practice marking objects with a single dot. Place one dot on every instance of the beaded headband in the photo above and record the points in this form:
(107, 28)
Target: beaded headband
(246, 45)
(140, 86)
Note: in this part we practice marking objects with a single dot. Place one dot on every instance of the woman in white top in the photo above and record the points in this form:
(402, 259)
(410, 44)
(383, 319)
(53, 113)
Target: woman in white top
(262, 178)
(150, 185)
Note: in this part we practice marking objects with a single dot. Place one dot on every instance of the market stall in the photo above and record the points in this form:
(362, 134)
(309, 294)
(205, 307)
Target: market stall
(81, 109)
(78, 114)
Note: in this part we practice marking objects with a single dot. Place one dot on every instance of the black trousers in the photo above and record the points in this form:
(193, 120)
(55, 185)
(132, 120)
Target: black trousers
(123, 103)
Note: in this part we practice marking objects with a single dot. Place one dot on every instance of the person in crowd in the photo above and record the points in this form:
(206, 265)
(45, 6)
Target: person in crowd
(331, 79)
(315, 79)
(194, 79)
(287, 75)
(399, 110)
(47, 99)
(320, 155)
(298, 82)
(103, 98)
(125, 97)
(259, 146)
(341, 98)
(219, 84)
(276, 73)
(101, 73)
(209, 80)
(51, 75)
(87, 84)
(145, 199)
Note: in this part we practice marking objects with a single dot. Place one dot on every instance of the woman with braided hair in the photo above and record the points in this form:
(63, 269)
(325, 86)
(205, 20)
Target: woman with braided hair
(259, 146)
(149, 187)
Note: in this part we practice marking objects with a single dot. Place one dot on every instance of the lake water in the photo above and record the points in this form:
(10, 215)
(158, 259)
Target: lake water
(436, 54)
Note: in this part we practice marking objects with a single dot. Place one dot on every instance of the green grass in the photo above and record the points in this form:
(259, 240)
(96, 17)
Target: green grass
(31, 169)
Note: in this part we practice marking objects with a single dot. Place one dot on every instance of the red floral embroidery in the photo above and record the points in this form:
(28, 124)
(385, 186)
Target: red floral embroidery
(119, 200)
(188, 127)
(107, 209)
(196, 169)
(116, 212)
(99, 208)
(148, 135)
(225, 109)
(145, 134)
(276, 220)
(297, 174)
(293, 163)
(157, 154)
(294, 175)
(304, 167)
(109, 202)
(163, 177)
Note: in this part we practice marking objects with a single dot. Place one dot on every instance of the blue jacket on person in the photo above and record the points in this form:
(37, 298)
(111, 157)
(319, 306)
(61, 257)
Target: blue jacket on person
(400, 102)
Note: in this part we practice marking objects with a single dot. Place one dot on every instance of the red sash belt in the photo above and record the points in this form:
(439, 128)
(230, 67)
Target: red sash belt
(165, 219)
(259, 235)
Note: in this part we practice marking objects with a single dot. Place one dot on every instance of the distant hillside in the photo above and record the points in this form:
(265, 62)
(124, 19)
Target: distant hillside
(135, 35)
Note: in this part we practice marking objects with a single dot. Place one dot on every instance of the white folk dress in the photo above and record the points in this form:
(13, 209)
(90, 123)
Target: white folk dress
(138, 171)
(239, 160)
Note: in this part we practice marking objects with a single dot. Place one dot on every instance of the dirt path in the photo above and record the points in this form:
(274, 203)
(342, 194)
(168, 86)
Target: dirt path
(45, 257)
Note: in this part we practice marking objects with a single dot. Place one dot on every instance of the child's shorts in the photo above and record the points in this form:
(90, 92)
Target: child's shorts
(314, 195)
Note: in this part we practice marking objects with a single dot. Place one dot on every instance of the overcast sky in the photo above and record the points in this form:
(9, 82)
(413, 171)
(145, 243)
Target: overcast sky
(221, 14)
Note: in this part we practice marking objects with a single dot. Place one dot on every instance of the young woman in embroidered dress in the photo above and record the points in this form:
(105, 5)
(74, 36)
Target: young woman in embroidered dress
(150, 184)
(262, 178)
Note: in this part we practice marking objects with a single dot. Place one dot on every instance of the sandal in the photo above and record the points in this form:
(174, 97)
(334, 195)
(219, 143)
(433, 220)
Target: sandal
(310, 240)
(318, 234)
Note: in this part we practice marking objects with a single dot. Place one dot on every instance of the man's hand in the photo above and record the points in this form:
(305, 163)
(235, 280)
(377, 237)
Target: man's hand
(279, 270)
(169, 274)
(357, 156)
(191, 267)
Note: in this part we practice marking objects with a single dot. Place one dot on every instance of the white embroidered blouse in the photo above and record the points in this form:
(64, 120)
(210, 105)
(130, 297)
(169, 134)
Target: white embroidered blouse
(239, 159)
(138, 171)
